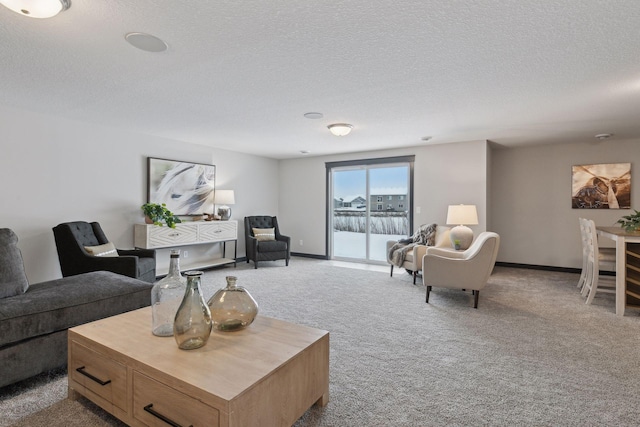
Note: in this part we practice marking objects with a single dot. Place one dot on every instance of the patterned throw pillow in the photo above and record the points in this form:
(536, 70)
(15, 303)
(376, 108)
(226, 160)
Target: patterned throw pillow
(108, 249)
(264, 234)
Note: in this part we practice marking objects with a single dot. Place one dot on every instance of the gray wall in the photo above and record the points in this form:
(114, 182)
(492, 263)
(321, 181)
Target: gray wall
(443, 175)
(56, 170)
(531, 199)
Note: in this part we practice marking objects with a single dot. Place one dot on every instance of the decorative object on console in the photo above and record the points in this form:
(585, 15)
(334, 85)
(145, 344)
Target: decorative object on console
(340, 129)
(166, 296)
(192, 325)
(37, 9)
(630, 222)
(601, 186)
(232, 308)
(461, 216)
(224, 198)
(186, 188)
(158, 213)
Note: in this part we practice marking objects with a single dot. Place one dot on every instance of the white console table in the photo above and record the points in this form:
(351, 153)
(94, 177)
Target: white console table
(190, 233)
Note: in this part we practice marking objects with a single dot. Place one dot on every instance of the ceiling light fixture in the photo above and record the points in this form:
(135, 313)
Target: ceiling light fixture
(146, 42)
(37, 8)
(340, 129)
(603, 136)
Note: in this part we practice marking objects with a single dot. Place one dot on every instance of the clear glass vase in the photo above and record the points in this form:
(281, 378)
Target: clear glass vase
(232, 308)
(166, 296)
(192, 325)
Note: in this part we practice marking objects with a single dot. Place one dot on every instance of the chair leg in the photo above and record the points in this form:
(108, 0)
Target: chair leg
(475, 300)
(287, 263)
(415, 274)
(391, 275)
(428, 292)
(255, 265)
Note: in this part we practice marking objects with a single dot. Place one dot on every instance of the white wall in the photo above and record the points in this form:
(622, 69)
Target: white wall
(443, 175)
(531, 199)
(55, 170)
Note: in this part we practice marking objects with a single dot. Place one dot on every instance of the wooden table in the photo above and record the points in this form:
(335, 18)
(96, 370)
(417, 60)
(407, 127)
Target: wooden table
(268, 374)
(627, 266)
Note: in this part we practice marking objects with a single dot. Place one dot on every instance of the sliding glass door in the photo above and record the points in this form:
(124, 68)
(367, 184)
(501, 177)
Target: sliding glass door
(369, 203)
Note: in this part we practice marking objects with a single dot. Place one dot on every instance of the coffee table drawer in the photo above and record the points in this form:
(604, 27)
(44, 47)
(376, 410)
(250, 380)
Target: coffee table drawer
(99, 374)
(156, 404)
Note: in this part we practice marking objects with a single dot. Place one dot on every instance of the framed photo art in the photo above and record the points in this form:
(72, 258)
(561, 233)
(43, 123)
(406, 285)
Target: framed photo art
(186, 188)
(601, 186)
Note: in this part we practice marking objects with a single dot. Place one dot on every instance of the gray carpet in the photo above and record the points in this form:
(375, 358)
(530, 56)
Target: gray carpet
(532, 354)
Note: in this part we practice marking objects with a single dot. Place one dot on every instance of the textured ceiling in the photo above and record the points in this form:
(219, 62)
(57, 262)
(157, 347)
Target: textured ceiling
(240, 75)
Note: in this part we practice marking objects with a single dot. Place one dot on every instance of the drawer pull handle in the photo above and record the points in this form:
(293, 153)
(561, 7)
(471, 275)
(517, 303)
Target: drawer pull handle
(218, 231)
(149, 409)
(174, 234)
(81, 370)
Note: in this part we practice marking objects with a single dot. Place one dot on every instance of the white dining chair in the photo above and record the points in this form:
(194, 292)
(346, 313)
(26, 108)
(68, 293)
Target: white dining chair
(596, 260)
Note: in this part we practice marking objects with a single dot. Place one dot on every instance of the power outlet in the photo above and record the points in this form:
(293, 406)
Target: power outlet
(418, 210)
(301, 242)
(185, 254)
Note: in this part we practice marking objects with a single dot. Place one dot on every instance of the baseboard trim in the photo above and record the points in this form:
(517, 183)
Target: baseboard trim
(303, 255)
(550, 268)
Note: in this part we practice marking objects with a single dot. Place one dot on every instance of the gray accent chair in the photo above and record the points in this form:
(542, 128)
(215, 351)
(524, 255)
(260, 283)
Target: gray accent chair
(71, 239)
(272, 250)
(34, 318)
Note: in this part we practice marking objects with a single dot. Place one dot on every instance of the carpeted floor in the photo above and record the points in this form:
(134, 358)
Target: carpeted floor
(532, 354)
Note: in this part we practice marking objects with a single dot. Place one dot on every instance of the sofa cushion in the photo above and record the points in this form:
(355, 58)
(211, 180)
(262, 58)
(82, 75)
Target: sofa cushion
(443, 237)
(13, 280)
(264, 234)
(272, 246)
(59, 304)
(108, 249)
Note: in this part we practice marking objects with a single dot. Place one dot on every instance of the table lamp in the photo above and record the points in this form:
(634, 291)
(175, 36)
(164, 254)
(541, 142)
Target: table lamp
(461, 216)
(224, 198)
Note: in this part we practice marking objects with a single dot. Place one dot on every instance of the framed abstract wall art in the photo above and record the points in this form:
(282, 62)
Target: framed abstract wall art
(601, 186)
(186, 188)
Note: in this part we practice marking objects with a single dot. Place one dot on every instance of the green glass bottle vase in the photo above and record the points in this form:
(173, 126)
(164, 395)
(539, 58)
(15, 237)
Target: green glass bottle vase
(192, 325)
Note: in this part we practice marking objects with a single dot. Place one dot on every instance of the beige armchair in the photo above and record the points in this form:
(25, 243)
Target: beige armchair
(413, 259)
(469, 269)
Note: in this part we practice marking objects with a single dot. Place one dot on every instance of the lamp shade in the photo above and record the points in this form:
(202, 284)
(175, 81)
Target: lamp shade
(340, 129)
(224, 197)
(37, 8)
(462, 215)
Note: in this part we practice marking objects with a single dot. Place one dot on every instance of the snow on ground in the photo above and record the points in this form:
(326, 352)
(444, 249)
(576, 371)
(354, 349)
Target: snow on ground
(353, 245)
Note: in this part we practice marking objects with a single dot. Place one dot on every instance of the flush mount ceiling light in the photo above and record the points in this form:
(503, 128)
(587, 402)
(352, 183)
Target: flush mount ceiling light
(340, 129)
(37, 8)
(603, 136)
(146, 42)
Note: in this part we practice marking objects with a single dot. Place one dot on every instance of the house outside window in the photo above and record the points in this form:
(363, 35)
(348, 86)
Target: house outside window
(379, 199)
(379, 206)
(389, 197)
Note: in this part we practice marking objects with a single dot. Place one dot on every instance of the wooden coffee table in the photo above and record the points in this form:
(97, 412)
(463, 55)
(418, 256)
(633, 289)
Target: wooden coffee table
(268, 374)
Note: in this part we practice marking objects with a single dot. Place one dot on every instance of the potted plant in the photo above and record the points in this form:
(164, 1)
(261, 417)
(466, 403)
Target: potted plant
(456, 244)
(630, 222)
(158, 214)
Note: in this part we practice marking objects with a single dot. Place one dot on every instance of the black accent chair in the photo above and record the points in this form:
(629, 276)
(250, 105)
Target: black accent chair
(269, 250)
(71, 239)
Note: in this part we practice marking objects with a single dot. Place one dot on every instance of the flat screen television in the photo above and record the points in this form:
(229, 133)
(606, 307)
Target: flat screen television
(186, 188)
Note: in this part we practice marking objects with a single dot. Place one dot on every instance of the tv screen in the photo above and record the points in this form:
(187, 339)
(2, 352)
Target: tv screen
(186, 188)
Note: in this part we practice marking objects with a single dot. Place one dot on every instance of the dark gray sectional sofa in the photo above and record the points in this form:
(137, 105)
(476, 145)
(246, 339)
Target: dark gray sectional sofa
(34, 318)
